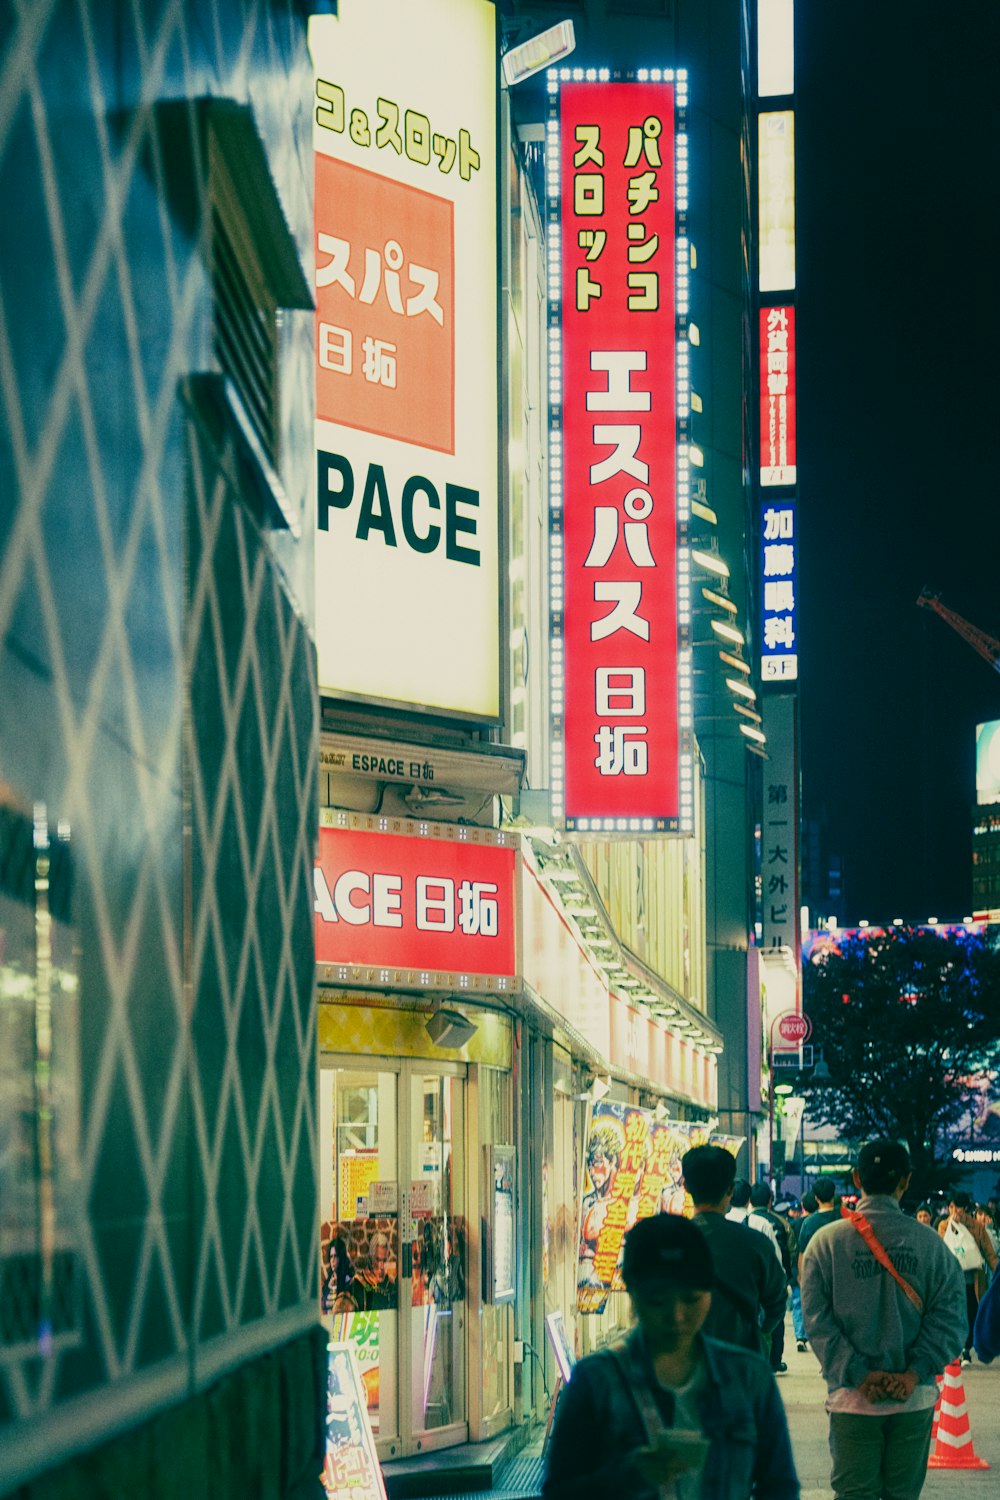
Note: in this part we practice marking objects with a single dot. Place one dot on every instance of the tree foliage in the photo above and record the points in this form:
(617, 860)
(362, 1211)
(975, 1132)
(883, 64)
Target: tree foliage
(906, 1018)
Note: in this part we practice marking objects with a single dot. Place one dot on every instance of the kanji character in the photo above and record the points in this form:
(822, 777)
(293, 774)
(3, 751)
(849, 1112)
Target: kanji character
(777, 523)
(777, 339)
(778, 631)
(777, 794)
(478, 912)
(446, 150)
(642, 191)
(626, 598)
(335, 272)
(468, 159)
(644, 291)
(587, 289)
(778, 596)
(380, 362)
(336, 349)
(418, 137)
(777, 885)
(621, 751)
(388, 132)
(777, 385)
(593, 241)
(620, 692)
(644, 140)
(625, 440)
(426, 299)
(641, 249)
(333, 117)
(618, 365)
(779, 561)
(777, 317)
(589, 148)
(588, 193)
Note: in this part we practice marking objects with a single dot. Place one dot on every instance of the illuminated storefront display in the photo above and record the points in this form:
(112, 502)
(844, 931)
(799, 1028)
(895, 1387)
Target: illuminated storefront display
(776, 204)
(779, 661)
(619, 400)
(415, 909)
(777, 395)
(407, 571)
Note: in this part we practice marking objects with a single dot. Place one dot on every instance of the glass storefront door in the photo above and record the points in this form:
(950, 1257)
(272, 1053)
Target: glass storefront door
(393, 1245)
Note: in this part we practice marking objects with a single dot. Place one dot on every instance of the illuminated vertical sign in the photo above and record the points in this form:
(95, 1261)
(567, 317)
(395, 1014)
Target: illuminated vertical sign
(407, 539)
(779, 660)
(777, 395)
(776, 200)
(775, 47)
(619, 400)
(779, 849)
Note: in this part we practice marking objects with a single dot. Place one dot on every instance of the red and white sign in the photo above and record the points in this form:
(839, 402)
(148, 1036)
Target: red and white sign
(794, 1028)
(393, 901)
(619, 446)
(777, 395)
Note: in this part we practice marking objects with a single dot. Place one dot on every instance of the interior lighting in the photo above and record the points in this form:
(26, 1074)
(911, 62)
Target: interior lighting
(705, 512)
(784, 1089)
(710, 561)
(736, 662)
(753, 734)
(727, 632)
(742, 688)
(863, 922)
(720, 601)
(897, 921)
(750, 713)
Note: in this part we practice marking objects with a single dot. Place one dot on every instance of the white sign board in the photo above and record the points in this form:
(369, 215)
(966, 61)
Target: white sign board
(407, 541)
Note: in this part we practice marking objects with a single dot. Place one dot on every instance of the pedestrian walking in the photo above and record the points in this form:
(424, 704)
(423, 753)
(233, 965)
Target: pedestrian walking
(972, 1247)
(668, 1410)
(825, 1192)
(885, 1313)
(762, 1216)
(749, 1296)
(795, 1222)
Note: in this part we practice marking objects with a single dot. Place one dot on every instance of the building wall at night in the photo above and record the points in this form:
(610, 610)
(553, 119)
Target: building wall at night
(157, 754)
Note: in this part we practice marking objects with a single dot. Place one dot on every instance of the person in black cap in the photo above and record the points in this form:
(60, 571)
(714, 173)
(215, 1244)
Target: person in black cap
(884, 1307)
(668, 1410)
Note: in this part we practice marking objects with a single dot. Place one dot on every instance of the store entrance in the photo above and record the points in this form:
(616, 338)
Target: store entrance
(393, 1241)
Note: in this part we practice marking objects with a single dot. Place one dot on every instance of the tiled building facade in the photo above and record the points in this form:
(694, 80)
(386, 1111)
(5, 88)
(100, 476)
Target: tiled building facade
(158, 738)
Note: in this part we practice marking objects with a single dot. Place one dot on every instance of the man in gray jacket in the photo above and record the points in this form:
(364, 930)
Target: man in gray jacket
(880, 1345)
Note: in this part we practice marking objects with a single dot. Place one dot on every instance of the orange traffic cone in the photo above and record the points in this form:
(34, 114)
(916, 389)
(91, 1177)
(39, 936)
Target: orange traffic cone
(937, 1411)
(953, 1441)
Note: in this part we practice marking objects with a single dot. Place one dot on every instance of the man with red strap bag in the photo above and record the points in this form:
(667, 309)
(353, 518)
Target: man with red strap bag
(885, 1312)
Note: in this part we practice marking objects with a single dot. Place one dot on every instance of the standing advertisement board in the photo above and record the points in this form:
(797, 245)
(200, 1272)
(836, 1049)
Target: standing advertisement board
(407, 541)
(619, 394)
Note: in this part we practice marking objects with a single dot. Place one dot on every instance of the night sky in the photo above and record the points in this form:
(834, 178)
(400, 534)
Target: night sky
(898, 309)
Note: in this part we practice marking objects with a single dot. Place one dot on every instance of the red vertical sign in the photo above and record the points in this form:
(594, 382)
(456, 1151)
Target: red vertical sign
(620, 634)
(777, 395)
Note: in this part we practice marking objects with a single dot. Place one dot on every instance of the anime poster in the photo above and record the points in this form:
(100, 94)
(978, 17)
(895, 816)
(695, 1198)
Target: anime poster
(350, 1466)
(617, 1148)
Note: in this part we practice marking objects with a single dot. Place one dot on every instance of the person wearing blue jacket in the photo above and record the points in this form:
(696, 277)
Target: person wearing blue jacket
(668, 1410)
(986, 1333)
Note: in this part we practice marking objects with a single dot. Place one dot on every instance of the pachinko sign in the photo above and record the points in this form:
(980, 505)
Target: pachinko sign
(400, 904)
(619, 394)
(407, 541)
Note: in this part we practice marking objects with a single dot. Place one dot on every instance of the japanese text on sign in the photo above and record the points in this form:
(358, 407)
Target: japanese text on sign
(777, 395)
(779, 646)
(619, 421)
(389, 127)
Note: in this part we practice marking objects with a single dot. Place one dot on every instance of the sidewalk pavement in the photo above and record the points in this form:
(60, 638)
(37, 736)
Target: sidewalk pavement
(804, 1392)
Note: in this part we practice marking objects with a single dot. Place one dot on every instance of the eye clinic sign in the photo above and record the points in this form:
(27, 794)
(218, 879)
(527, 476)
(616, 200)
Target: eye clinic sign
(406, 902)
(407, 537)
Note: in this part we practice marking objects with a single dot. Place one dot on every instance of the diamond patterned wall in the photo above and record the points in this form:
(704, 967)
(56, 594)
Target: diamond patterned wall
(157, 695)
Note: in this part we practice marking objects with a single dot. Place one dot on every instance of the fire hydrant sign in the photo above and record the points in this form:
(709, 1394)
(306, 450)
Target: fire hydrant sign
(399, 902)
(407, 538)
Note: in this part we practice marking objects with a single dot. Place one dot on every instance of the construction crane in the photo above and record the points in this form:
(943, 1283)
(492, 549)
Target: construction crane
(987, 646)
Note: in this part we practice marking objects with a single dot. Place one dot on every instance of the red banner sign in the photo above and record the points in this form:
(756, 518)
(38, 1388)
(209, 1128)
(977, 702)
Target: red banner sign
(619, 480)
(399, 902)
(777, 395)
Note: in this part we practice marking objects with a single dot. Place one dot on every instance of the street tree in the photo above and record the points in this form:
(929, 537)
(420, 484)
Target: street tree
(908, 1020)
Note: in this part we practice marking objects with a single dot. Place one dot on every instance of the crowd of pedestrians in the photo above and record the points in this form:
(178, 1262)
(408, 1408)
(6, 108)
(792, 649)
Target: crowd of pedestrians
(687, 1406)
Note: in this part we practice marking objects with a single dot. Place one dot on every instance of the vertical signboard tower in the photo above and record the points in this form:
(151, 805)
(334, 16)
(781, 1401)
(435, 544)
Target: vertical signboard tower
(620, 592)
